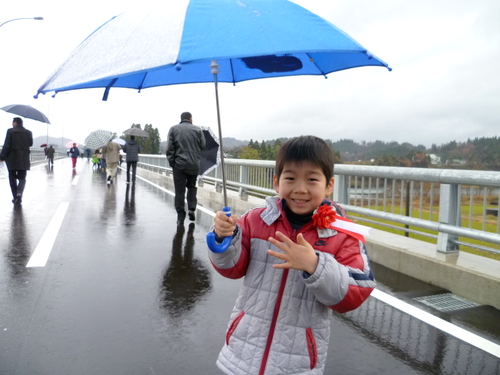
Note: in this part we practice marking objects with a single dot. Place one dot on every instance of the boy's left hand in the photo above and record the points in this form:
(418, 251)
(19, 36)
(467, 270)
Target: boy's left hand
(298, 256)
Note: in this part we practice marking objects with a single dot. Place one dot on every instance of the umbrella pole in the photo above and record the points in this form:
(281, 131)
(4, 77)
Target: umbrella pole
(215, 70)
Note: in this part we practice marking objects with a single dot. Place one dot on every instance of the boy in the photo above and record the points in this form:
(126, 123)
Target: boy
(296, 267)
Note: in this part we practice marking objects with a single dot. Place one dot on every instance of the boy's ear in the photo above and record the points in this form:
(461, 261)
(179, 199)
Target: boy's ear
(329, 187)
(276, 183)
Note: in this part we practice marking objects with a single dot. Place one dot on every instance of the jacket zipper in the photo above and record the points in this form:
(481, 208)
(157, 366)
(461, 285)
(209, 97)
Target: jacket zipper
(312, 348)
(273, 323)
(275, 315)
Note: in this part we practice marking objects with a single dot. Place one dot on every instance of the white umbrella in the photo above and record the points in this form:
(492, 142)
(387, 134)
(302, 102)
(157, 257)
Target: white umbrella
(120, 141)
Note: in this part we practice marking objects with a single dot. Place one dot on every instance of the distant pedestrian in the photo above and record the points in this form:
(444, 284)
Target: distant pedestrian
(110, 152)
(75, 153)
(16, 153)
(132, 150)
(50, 155)
(87, 151)
(185, 143)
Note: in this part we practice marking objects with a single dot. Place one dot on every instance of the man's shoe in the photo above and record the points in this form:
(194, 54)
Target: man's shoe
(191, 215)
(18, 200)
(109, 178)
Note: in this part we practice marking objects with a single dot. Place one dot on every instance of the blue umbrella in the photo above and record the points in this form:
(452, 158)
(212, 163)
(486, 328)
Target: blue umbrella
(171, 44)
(176, 41)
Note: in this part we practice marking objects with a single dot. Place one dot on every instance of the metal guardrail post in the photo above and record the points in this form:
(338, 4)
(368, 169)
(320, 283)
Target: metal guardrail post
(341, 189)
(218, 187)
(448, 214)
(243, 180)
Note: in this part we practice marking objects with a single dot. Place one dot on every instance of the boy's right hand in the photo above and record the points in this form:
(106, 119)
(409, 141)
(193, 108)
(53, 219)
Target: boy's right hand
(224, 226)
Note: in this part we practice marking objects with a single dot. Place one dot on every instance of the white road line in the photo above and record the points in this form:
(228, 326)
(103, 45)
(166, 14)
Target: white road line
(41, 254)
(75, 180)
(443, 325)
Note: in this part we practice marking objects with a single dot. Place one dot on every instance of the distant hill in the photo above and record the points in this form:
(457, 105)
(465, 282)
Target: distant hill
(233, 142)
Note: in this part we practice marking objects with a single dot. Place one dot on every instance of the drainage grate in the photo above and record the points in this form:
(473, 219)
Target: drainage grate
(446, 302)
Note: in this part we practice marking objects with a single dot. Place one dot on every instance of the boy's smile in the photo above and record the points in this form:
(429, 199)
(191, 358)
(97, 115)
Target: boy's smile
(303, 185)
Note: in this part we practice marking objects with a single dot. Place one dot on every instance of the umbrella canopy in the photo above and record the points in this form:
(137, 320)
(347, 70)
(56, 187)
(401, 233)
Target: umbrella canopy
(174, 43)
(210, 156)
(136, 132)
(70, 144)
(27, 112)
(98, 138)
(43, 145)
(120, 141)
(259, 40)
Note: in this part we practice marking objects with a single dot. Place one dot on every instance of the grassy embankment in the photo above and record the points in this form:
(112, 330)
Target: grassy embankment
(477, 223)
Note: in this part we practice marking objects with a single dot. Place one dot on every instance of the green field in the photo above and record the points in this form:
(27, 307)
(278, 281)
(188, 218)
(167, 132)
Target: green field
(477, 223)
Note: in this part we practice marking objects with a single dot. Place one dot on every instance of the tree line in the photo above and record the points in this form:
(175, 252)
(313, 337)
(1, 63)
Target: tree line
(478, 153)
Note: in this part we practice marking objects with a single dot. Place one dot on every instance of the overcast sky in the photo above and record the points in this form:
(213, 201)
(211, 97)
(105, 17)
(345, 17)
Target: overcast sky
(444, 85)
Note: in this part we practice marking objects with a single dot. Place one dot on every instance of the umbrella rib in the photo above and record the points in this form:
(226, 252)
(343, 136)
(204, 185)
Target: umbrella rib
(142, 82)
(232, 71)
(106, 90)
(311, 59)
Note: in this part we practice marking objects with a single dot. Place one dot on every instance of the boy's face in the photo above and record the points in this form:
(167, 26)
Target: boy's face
(303, 186)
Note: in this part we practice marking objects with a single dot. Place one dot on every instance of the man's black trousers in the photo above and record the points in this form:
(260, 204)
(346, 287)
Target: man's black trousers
(183, 181)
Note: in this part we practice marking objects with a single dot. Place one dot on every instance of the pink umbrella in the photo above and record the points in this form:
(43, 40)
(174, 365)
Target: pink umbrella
(70, 144)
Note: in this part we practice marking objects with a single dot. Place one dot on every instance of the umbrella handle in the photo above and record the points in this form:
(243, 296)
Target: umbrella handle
(212, 243)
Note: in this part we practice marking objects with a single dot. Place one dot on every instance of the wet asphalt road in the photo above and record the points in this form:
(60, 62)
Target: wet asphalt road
(124, 291)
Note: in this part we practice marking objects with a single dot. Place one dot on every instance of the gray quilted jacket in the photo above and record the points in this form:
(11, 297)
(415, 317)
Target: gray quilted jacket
(280, 323)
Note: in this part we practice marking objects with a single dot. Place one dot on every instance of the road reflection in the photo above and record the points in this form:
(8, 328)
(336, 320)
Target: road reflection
(129, 216)
(108, 210)
(129, 208)
(18, 245)
(185, 280)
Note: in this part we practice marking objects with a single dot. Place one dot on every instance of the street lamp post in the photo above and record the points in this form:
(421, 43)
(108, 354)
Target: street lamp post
(23, 18)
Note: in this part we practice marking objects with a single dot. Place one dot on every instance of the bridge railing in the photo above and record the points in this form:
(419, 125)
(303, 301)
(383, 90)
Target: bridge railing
(450, 207)
(38, 154)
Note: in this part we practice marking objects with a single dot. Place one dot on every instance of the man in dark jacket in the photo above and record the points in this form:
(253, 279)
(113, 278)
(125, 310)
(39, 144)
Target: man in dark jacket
(132, 149)
(50, 155)
(185, 143)
(16, 153)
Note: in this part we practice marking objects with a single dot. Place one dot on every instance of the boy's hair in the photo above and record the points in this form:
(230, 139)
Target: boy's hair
(306, 148)
(18, 120)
